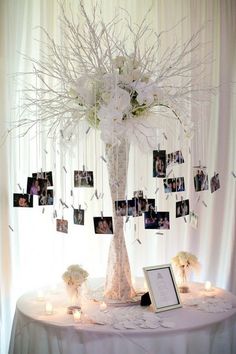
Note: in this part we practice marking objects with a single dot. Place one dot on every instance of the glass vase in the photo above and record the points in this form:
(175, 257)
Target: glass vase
(118, 278)
(74, 297)
(183, 280)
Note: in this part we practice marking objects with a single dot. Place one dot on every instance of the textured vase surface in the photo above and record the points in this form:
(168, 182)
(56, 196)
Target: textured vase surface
(184, 283)
(74, 295)
(118, 279)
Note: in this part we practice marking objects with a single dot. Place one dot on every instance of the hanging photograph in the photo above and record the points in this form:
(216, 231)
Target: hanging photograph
(174, 185)
(121, 207)
(138, 194)
(162, 287)
(62, 225)
(180, 186)
(133, 207)
(193, 219)
(159, 163)
(36, 186)
(22, 200)
(79, 216)
(46, 198)
(103, 225)
(215, 183)
(83, 179)
(174, 158)
(200, 179)
(182, 208)
(159, 220)
(146, 204)
(44, 175)
(169, 185)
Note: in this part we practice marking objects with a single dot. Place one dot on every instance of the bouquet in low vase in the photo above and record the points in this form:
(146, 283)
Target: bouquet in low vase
(184, 263)
(74, 278)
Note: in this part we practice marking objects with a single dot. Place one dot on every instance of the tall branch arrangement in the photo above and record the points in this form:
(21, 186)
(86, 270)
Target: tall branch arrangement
(113, 79)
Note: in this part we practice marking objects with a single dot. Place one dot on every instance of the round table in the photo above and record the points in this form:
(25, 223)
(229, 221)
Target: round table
(191, 331)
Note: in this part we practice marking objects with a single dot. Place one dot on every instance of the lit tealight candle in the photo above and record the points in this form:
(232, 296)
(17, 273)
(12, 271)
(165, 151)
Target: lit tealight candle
(48, 308)
(103, 306)
(208, 286)
(40, 295)
(77, 315)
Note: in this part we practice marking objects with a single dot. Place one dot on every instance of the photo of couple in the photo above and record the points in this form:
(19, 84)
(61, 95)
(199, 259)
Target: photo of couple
(174, 185)
(159, 220)
(103, 225)
(79, 216)
(62, 225)
(182, 208)
(200, 179)
(83, 178)
(174, 158)
(159, 163)
(22, 200)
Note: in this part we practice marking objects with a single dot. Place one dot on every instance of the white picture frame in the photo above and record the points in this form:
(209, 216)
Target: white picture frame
(162, 287)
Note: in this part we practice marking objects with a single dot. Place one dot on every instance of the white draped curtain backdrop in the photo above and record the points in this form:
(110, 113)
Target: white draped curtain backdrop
(32, 253)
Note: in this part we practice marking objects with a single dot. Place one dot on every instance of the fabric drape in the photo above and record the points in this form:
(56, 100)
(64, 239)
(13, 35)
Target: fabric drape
(32, 253)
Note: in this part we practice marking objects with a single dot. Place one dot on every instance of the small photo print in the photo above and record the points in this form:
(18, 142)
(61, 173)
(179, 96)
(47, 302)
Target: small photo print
(200, 179)
(146, 204)
(174, 158)
(193, 219)
(174, 185)
(159, 220)
(83, 179)
(79, 216)
(215, 183)
(36, 186)
(134, 208)
(182, 208)
(62, 226)
(180, 186)
(169, 185)
(22, 200)
(44, 175)
(121, 207)
(103, 225)
(47, 198)
(159, 163)
(131, 207)
(138, 194)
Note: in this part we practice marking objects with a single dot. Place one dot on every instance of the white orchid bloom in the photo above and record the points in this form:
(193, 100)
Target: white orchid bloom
(119, 61)
(120, 99)
(85, 89)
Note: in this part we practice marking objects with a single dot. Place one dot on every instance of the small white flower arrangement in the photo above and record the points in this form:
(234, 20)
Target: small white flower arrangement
(184, 263)
(75, 276)
(186, 260)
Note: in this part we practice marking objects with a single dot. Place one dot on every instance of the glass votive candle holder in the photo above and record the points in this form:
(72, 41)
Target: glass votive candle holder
(40, 295)
(77, 315)
(48, 308)
(208, 286)
(103, 306)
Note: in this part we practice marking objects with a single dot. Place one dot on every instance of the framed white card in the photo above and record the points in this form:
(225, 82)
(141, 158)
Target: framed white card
(162, 287)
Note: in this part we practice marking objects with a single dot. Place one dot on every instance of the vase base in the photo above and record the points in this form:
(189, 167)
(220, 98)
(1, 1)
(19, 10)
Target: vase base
(71, 309)
(183, 289)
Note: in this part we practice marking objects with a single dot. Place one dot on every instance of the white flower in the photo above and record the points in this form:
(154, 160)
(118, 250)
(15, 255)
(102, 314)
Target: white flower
(186, 260)
(75, 275)
(119, 61)
(84, 87)
(120, 100)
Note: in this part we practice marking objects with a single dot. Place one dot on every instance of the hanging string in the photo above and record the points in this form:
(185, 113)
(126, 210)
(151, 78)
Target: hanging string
(95, 145)
(102, 189)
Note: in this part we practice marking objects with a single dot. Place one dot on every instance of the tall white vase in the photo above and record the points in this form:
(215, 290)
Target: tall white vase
(118, 279)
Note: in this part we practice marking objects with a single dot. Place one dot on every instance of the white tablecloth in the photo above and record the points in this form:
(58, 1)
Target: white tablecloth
(194, 331)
